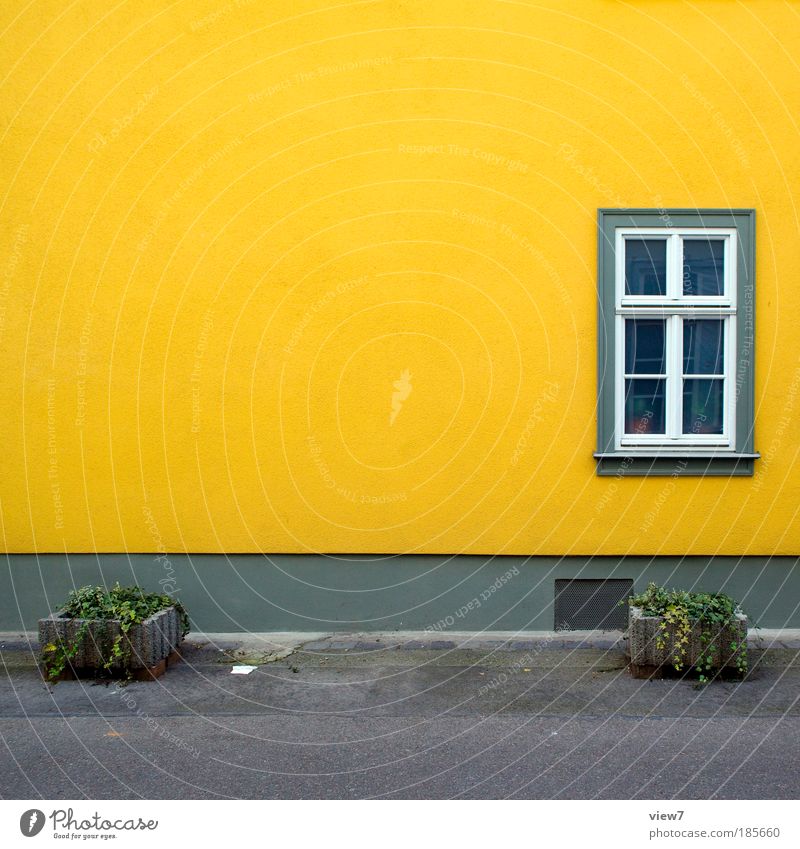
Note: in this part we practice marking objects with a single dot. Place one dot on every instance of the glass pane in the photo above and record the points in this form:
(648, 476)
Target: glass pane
(644, 346)
(703, 267)
(645, 266)
(703, 346)
(644, 406)
(702, 406)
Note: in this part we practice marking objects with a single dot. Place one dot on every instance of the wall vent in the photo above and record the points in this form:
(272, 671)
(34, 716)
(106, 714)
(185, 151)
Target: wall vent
(591, 604)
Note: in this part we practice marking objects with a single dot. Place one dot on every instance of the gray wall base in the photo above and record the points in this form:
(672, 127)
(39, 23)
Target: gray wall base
(357, 593)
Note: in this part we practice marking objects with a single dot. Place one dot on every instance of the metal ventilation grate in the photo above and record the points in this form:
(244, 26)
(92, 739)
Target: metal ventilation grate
(591, 604)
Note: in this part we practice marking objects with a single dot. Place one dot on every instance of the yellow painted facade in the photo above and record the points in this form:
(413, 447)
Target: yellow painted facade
(304, 276)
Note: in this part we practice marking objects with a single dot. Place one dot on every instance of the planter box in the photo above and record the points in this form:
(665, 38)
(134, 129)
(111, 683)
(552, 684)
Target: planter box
(150, 642)
(650, 661)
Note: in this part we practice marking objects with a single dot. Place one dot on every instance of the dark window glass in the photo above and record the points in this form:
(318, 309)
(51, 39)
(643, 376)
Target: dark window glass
(703, 346)
(702, 406)
(644, 345)
(645, 266)
(644, 406)
(703, 267)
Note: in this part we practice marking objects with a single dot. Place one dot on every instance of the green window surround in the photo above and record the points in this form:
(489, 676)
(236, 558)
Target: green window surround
(676, 323)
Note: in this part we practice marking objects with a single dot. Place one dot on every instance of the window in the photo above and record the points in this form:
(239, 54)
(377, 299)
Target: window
(675, 336)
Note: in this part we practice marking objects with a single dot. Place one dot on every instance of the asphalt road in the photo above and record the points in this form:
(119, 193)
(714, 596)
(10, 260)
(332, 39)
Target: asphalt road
(401, 723)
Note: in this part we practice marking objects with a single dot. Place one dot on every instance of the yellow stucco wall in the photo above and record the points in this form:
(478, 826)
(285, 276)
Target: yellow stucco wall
(228, 228)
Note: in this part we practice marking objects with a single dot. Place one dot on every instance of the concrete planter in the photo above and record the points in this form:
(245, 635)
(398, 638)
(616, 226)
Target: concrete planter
(650, 661)
(147, 645)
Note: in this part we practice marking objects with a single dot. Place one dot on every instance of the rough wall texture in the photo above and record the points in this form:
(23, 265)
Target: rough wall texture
(301, 276)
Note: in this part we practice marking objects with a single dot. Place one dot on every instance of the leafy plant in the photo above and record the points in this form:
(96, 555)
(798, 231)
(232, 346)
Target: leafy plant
(127, 605)
(681, 611)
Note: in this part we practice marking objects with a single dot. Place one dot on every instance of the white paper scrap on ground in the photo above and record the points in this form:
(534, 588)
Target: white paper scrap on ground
(242, 670)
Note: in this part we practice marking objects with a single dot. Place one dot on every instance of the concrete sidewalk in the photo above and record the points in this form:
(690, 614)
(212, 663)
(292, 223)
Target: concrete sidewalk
(402, 716)
(276, 641)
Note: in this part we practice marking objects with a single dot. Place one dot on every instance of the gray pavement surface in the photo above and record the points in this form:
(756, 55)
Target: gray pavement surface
(425, 718)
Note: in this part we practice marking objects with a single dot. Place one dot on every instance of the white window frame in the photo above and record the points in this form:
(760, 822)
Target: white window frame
(674, 306)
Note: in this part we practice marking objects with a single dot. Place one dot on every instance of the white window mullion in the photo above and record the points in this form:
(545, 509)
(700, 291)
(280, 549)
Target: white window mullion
(619, 377)
(675, 346)
(674, 268)
(674, 354)
(729, 424)
(619, 272)
(679, 373)
(731, 258)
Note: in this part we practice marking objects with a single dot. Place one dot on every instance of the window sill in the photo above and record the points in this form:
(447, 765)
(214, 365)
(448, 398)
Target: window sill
(674, 463)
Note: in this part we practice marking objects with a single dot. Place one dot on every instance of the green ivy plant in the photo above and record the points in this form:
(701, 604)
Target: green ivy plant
(681, 611)
(129, 605)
